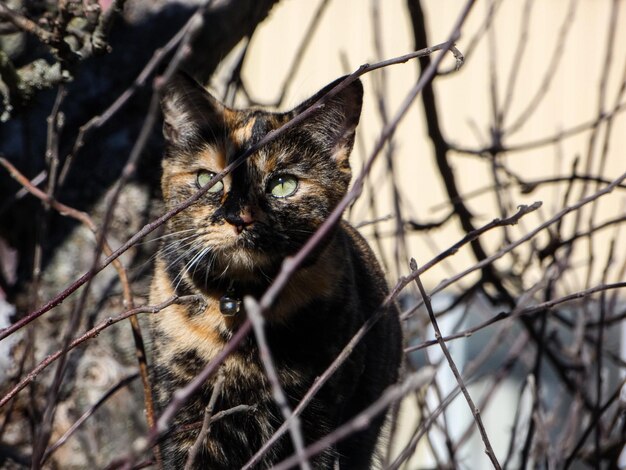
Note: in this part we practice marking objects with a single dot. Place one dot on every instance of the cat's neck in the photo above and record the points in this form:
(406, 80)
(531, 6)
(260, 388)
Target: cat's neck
(315, 280)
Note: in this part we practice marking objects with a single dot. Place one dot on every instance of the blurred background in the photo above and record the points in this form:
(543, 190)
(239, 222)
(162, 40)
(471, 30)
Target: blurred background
(535, 114)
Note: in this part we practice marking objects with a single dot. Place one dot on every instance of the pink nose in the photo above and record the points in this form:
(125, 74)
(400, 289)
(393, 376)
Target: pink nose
(246, 216)
(241, 220)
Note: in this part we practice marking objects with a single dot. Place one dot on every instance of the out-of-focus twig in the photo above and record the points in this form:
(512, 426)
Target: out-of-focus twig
(25, 24)
(105, 21)
(530, 310)
(83, 217)
(87, 414)
(93, 332)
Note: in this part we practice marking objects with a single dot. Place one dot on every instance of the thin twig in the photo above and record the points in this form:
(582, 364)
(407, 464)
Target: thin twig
(301, 50)
(423, 427)
(105, 21)
(550, 73)
(528, 186)
(558, 216)
(548, 140)
(599, 344)
(258, 324)
(526, 311)
(83, 217)
(468, 238)
(514, 72)
(362, 420)
(25, 24)
(87, 414)
(592, 425)
(92, 333)
(455, 371)
(206, 422)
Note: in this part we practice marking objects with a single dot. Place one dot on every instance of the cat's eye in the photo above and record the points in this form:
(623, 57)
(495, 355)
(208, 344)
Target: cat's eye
(283, 186)
(203, 177)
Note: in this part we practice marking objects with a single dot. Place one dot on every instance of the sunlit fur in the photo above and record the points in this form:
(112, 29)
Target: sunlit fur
(237, 239)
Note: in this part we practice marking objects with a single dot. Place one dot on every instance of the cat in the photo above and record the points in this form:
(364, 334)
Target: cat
(231, 243)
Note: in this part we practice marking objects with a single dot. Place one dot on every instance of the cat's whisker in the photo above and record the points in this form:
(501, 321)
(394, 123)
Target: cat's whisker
(264, 274)
(179, 245)
(164, 250)
(300, 230)
(175, 247)
(199, 258)
(223, 274)
(187, 242)
(184, 254)
(167, 235)
(181, 274)
(209, 267)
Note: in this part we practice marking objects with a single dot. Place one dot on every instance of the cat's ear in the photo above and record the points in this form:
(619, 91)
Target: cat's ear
(188, 109)
(335, 123)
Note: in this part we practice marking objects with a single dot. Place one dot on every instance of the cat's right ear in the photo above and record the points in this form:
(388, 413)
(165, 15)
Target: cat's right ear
(188, 109)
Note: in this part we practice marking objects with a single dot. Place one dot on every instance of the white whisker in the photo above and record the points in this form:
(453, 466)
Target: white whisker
(166, 235)
(185, 269)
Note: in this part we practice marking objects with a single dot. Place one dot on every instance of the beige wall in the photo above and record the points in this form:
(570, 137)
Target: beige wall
(463, 98)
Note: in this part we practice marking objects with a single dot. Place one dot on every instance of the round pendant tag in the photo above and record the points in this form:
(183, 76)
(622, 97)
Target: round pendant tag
(229, 306)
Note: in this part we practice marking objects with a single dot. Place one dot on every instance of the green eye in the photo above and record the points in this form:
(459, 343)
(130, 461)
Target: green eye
(283, 186)
(204, 177)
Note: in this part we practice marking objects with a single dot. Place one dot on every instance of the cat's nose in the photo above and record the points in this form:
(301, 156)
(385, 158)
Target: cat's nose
(240, 219)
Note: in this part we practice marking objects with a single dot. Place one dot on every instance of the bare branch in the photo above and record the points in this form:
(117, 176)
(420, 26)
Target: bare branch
(92, 333)
(206, 422)
(87, 414)
(455, 371)
(258, 324)
(25, 24)
(363, 419)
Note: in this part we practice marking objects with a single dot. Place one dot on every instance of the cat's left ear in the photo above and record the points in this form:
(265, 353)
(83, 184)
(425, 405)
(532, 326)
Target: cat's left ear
(188, 109)
(335, 123)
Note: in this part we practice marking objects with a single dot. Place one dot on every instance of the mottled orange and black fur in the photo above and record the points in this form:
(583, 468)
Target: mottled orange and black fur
(235, 239)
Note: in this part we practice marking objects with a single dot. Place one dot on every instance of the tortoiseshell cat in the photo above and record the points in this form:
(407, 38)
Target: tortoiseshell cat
(231, 243)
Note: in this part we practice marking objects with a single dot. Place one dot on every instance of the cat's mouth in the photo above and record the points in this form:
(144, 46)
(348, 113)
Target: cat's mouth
(241, 261)
(251, 255)
(258, 238)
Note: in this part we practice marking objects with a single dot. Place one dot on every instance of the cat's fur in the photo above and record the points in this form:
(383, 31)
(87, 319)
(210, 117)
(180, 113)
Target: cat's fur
(242, 234)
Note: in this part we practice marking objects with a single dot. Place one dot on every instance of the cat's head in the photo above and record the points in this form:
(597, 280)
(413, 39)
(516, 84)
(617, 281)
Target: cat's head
(267, 208)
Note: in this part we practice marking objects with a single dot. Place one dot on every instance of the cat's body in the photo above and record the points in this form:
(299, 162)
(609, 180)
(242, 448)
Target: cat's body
(232, 243)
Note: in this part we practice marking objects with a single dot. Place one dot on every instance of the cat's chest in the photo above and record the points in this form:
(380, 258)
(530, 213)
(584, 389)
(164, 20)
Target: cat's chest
(184, 351)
